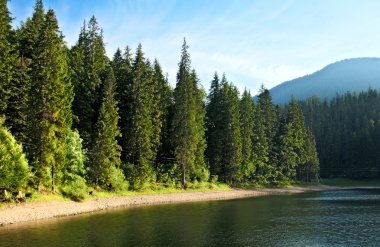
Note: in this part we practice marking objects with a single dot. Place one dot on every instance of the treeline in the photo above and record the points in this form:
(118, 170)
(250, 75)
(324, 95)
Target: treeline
(84, 119)
(347, 130)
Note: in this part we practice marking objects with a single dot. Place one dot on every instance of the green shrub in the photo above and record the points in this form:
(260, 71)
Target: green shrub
(14, 169)
(117, 180)
(75, 190)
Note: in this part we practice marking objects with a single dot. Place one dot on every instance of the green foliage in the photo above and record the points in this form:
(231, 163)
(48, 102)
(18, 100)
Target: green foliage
(105, 154)
(265, 128)
(122, 67)
(224, 138)
(231, 154)
(88, 61)
(74, 168)
(214, 123)
(74, 189)
(187, 130)
(293, 135)
(51, 96)
(14, 170)
(140, 148)
(8, 56)
(347, 134)
(247, 111)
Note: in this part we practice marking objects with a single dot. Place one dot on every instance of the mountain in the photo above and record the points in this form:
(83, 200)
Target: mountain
(354, 75)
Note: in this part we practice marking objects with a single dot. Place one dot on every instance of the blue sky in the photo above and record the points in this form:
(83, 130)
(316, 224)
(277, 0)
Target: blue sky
(253, 42)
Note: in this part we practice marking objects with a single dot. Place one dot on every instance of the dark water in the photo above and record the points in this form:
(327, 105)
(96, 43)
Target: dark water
(332, 218)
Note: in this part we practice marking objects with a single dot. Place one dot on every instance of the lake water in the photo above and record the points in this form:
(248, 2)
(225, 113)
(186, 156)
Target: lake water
(330, 218)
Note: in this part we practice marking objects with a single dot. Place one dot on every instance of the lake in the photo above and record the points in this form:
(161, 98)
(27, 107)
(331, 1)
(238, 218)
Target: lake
(349, 217)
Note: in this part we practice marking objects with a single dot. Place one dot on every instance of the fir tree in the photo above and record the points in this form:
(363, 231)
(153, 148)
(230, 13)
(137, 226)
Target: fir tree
(199, 169)
(247, 109)
(265, 127)
(214, 123)
(292, 142)
(309, 169)
(105, 154)
(52, 97)
(122, 66)
(140, 150)
(184, 123)
(231, 153)
(165, 152)
(7, 57)
(88, 61)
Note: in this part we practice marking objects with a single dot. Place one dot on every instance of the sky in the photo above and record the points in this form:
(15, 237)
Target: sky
(252, 42)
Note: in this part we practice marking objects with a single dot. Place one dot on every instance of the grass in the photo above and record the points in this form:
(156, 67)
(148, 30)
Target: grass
(45, 196)
(345, 182)
(199, 187)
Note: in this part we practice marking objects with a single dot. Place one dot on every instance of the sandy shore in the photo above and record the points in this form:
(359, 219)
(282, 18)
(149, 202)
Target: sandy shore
(32, 211)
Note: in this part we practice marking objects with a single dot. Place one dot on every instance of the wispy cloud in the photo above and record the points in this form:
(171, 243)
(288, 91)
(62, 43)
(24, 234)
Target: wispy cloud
(253, 42)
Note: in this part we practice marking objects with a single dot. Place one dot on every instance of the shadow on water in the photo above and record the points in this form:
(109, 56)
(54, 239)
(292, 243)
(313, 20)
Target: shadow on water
(331, 218)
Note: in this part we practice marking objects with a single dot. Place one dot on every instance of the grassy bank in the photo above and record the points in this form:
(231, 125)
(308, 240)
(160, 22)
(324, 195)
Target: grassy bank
(36, 196)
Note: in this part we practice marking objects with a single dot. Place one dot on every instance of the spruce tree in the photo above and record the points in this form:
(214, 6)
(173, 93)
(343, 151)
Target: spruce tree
(184, 123)
(292, 142)
(165, 153)
(140, 150)
(309, 169)
(105, 154)
(199, 169)
(7, 57)
(214, 123)
(247, 110)
(265, 127)
(28, 38)
(88, 61)
(122, 67)
(231, 152)
(52, 97)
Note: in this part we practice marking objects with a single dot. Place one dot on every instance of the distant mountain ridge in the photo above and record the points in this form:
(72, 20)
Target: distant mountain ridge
(354, 75)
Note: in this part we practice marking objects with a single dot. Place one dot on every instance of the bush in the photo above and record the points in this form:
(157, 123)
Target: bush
(117, 180)
(75, 190)
(14, 169)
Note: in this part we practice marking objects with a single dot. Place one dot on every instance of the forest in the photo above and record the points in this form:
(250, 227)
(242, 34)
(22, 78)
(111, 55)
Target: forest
(347, 130)
(73, 120)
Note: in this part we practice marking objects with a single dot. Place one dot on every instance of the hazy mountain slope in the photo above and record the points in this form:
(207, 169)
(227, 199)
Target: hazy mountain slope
(352, 75)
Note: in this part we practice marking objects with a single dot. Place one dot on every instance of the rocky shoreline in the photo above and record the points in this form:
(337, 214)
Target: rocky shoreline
(33, 211)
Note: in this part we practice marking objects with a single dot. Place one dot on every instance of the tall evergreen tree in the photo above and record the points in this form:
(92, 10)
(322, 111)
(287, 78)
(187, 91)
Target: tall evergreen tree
(214, 123)
(14, 84)
(52, 97)
(165, 152)
(88, 61)
(105, 154)
(162, 101)
(264, 133)
(140, 150)
(7, 57)
(184, 111)
(309, 169)
(247, 110)
(292, 142)
(199, 169)
(122, 66)
(231, 153)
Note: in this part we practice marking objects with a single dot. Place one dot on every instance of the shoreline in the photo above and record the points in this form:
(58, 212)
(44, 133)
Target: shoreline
(34, 211)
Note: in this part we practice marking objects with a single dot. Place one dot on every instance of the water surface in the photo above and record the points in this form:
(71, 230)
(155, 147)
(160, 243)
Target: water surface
(330, 218)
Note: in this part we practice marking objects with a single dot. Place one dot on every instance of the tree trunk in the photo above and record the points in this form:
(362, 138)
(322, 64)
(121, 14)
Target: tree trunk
(52, 179)
(183, 177)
